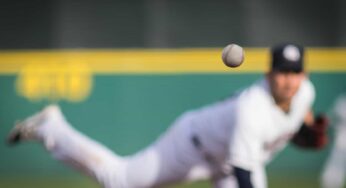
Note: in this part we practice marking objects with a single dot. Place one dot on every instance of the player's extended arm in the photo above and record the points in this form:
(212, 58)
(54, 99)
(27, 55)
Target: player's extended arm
(313, 132)
(243, 177)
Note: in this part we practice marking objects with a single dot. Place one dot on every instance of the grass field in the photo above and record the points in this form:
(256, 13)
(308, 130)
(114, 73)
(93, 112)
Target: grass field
(81, 182)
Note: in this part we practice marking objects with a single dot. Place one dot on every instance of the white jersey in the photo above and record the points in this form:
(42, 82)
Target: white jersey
(248, 128)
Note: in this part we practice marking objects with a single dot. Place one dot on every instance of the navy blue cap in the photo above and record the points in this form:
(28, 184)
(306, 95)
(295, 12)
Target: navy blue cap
(287, 58)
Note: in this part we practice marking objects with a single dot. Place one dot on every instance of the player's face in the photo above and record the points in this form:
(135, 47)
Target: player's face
(284, 85)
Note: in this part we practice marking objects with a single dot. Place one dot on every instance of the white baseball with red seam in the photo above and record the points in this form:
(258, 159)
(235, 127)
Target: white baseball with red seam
(233, 55)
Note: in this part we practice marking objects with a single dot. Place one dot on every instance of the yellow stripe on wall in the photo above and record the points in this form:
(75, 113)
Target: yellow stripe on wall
(163, 61)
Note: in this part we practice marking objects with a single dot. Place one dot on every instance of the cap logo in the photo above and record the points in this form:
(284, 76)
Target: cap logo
(291, 53)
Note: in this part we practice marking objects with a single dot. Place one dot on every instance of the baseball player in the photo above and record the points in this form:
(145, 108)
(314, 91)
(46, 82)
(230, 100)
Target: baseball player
(228, 142)
(333, 175)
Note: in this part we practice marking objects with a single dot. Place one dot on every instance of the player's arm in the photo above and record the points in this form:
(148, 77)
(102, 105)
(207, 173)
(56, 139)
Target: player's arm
(243, 177)
(313, 133)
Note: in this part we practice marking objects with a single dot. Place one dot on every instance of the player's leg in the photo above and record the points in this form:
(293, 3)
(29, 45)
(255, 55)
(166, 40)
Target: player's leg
(259, 177)
(228, 181)
(333, 175)
(171, 159)
(68, 145)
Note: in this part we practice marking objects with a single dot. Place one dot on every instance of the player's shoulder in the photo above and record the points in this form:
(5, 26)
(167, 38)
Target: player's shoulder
(256, 91)
(307, 89)
(255, 96)
(307, 83)
(253, 105)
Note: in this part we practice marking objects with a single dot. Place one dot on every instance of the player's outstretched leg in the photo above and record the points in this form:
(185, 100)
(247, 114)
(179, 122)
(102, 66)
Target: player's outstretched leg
(172, 158)
(68, 145)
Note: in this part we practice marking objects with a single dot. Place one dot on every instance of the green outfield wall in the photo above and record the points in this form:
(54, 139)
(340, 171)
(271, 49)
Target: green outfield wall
(126, 111)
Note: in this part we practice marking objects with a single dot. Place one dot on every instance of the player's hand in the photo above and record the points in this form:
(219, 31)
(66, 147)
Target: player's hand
(313, 136)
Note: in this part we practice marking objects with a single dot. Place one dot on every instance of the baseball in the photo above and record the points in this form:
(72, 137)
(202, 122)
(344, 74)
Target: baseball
(233, 55)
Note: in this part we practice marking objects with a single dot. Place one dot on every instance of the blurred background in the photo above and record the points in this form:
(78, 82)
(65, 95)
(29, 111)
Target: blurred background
(122, 71)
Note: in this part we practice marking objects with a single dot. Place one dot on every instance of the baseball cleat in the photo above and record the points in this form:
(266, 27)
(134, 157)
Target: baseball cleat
(27, 129)
(14, 136)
